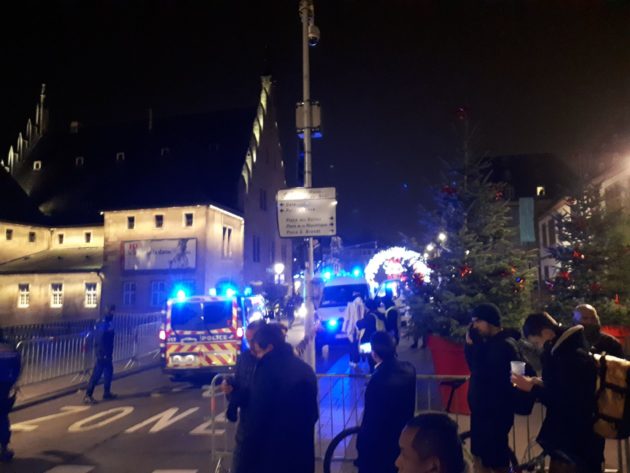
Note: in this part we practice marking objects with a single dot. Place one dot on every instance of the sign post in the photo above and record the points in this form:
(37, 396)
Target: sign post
(307, 212)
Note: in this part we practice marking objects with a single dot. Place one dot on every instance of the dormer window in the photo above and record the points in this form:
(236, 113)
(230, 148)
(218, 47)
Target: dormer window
(37, 165)
(165, 151)
(79, 161)
(120, 156)
(540, 191)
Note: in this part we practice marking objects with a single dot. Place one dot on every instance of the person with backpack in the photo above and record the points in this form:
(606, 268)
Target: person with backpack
(567, 389)
(10, 367)
(489, 353)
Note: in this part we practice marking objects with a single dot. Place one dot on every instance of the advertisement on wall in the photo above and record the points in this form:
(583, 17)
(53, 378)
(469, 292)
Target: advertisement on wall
(153, 255)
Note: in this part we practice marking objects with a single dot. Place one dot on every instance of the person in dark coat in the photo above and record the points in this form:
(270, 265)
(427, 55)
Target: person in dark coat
(390, 399)
(489, 351)
(104, 350)
(367, 328)
(282, 410)
(10, 367)
(567, 389)
(238, 389)
(586, 316)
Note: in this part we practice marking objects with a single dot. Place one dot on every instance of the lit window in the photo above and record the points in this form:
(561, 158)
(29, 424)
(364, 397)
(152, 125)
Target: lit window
(60, 238)
(120, 156)
(56, 295)
(88, 237)
(32, 237)
(8, 234)
(129, 293)
(91, 298)
(131, 223)
(159, 221)
(24, 296)
(79, 161)
(158, 293)
(226, 248)
(37, 165)
(188, 219)
(540, 191)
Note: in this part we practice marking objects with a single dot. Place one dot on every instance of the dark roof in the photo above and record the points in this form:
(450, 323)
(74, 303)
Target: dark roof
(67, 260)
(182, 160)
(15, 206)
(525, 172)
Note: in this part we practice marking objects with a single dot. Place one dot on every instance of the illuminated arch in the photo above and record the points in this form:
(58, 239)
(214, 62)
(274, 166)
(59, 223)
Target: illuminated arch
(395, 262)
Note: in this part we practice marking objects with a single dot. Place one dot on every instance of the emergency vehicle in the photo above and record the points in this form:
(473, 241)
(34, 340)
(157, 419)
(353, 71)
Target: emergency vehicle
(202, 334)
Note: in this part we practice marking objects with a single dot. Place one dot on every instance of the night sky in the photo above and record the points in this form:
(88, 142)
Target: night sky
(536, 76)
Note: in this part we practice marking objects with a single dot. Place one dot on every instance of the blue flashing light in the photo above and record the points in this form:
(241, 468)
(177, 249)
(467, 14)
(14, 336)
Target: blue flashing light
(247, 292)
(327, 275)
(212, 292)
(230, 292)
(356, 272)
(181, 295)
(332, 324)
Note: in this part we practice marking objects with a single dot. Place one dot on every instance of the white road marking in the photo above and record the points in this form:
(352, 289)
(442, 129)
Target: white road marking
(31, 425)
(118, 413)
(162, 420)
(204, 429)
(71, 469)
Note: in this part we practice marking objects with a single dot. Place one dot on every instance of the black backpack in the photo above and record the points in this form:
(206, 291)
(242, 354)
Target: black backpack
(10, 364)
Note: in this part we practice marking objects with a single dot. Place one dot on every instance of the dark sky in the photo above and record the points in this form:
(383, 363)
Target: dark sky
(536, 76)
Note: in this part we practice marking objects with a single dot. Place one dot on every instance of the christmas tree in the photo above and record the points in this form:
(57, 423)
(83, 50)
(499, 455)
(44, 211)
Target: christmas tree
(592, 254)
(476, 258)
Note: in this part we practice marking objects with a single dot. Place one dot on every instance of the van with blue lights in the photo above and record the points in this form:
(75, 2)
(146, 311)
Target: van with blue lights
(202, 334)
(331, 313)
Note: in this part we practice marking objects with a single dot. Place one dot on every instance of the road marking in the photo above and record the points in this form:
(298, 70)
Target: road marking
(204, 429)
(119, 413)
(162, 420)
(31, 425)
(71, 469)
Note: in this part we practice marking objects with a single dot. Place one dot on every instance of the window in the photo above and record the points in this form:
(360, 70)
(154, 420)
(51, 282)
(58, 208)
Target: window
(540, 191)
(131, 222)
(79, 161)
(159, 221)
(91, 299)
(263, 199)
(60, 238)
(226, 249)
(24, 296)
(120, 156)
(188, 219)
(88, 237)
(129, 293)
(158, 293)
(32, 237)
(56, 295)
(37, 165)
(8, 234)
(545, 236)
(256, 249)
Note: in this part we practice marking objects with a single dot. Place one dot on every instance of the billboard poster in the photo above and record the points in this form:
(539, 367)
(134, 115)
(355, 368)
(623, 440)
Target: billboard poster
(152, 255)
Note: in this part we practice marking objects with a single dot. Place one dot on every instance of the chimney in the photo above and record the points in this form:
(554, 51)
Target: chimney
(150, 119)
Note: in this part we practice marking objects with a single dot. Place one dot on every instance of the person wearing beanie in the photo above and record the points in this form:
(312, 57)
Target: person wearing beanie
(489, 351)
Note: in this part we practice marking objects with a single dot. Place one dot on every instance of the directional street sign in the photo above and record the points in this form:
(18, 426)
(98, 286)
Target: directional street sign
(307, 212)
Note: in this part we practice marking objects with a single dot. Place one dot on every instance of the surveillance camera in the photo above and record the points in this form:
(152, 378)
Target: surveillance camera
(313, 35)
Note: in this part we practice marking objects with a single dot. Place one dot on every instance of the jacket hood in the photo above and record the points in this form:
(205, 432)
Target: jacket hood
(572, 337)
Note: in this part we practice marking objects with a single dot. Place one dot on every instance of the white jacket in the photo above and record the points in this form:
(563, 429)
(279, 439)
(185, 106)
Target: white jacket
(354, 312)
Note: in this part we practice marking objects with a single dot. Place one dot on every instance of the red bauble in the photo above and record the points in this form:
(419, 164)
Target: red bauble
(577, 254)
(449, 190)
(564, 275)
(595, 287)
(465, 271)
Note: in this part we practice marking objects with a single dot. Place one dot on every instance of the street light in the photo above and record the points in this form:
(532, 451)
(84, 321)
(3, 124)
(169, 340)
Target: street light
(442, 237)
(430, 247)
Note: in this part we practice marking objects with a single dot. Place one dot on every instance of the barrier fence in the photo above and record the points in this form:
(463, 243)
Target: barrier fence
(47, 358)
(341, 403)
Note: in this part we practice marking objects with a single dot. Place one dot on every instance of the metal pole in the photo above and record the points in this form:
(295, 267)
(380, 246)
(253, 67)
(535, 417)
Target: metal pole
(306, 15)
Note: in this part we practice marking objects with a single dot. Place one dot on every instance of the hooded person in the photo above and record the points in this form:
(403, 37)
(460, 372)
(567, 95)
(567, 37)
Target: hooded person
(354, 313)
(489, 353)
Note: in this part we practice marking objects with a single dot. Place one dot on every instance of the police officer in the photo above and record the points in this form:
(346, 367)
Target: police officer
(104, 349)
(9, 373)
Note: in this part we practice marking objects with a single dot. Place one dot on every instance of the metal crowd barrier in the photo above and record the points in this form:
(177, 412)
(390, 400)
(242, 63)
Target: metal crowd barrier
(44, 359)
(341, 402)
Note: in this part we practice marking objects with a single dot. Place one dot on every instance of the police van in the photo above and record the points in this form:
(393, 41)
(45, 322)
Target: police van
(202, 334)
